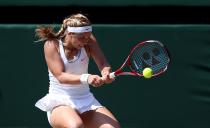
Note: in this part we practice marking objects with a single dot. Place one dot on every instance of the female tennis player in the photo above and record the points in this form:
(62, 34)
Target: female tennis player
(69, 102)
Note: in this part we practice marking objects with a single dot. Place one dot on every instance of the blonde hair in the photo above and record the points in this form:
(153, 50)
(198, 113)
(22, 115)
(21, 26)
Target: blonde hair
(47, 32)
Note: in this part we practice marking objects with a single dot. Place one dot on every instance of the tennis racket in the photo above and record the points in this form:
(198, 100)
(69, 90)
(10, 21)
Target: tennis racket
(147, 54)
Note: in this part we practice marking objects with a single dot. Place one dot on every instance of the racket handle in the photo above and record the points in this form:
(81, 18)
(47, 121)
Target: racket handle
(112, 75)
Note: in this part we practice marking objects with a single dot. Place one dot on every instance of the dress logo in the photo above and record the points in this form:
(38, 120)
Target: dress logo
(83, 59)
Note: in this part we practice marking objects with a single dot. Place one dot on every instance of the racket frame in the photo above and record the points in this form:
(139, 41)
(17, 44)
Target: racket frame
(127, 62)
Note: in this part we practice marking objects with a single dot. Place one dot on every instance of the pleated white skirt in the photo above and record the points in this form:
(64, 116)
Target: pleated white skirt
(81, 104)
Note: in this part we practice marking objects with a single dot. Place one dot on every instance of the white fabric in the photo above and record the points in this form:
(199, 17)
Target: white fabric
(77, 96)
(84, 78)
(79, 29)
(82, 104)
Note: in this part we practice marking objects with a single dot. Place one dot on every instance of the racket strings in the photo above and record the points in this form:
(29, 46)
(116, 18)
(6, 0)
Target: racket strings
(151, 55)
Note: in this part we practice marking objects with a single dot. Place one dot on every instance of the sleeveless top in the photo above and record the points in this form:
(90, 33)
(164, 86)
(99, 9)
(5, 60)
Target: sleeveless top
(77, 96)
(77, 66)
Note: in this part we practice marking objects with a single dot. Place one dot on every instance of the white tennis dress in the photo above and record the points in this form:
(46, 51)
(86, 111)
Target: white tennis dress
(77, 96)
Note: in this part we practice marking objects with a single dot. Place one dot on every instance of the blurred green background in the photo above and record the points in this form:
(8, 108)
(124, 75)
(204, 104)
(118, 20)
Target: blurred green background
(180, 98)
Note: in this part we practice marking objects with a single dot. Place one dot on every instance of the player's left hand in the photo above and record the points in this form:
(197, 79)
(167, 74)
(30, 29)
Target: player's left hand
(107, 79)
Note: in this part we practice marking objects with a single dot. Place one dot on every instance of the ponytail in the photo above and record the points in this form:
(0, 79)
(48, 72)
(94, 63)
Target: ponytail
(45, 33)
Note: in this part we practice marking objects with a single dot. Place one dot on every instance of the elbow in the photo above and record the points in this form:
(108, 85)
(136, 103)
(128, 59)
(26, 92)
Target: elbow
(61, 78)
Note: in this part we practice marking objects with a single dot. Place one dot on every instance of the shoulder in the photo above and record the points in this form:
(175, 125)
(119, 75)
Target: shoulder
(51, 44)
(92, 39)
(92, 43)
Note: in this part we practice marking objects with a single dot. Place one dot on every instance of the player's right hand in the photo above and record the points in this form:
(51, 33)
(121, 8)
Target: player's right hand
(95, 80)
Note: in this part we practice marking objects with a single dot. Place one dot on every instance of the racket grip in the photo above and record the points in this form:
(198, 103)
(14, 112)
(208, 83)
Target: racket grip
(112, 75)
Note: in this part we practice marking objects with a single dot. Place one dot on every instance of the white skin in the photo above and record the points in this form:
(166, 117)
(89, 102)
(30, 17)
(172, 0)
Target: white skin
(65, 116)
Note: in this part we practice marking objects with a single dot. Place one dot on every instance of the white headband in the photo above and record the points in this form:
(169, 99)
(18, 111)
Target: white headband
(79, 29)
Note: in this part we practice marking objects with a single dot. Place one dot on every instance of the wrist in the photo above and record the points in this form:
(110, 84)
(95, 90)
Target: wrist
(84, 78)
(106, 71)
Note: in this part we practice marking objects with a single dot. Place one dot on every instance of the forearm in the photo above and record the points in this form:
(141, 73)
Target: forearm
(66, 78)
(94, 80)
(105, 70)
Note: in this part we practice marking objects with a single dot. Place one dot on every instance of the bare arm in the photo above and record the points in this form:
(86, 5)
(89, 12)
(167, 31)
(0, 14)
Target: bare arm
(100, 59)
(55, 64)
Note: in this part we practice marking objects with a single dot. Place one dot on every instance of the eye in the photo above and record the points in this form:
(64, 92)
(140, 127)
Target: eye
(156, 51)
(146, 56)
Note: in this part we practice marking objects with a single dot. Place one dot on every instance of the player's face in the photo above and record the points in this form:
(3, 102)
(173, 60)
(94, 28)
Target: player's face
(79, 40)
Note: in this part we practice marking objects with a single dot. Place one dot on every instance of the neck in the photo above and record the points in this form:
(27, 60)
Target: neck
(68, 46)
(70, 52)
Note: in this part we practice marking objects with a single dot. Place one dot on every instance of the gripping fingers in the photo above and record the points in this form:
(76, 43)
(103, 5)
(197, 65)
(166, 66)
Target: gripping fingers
(107, 79)
(98, 82)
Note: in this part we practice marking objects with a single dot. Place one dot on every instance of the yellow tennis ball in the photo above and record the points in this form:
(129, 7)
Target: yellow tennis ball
(147, 72)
